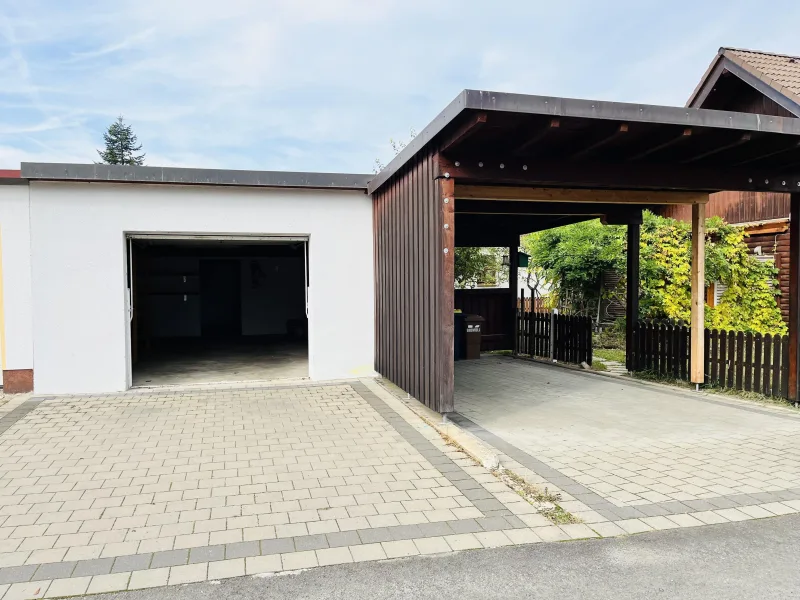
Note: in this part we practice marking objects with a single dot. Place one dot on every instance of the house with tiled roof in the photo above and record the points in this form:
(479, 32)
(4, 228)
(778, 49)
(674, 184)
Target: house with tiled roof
(767, 84)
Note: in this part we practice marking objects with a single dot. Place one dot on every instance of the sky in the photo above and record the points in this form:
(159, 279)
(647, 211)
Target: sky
(323, 85)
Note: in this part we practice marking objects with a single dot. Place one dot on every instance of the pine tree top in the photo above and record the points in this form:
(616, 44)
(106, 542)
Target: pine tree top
(121, 145)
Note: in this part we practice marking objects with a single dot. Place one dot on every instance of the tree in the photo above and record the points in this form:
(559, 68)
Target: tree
(478, 265)
(397, 146)
(574, 258)
(121, 145)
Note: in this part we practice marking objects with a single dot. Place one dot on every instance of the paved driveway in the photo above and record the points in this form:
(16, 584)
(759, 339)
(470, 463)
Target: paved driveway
(153, 488)
(628, 449)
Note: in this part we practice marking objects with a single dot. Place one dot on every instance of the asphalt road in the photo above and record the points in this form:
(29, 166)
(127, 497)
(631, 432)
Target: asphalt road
(751, 559)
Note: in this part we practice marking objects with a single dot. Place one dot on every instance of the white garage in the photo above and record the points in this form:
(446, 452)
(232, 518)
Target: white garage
(144, 276)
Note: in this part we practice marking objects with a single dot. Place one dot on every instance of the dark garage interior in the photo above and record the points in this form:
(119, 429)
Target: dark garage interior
(210, 311)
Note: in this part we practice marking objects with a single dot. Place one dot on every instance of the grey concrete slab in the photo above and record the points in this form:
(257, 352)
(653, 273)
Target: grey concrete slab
(242, 549)
(488, 504)
(492, 523)
(436, 529)
(133, 562)
(310, 542)
(59, 570)
(343, 538)
(465, 526)
(375, 535)
(98, 566)
(405, 532)
(169, 558)
(17, 574)
(277, 546)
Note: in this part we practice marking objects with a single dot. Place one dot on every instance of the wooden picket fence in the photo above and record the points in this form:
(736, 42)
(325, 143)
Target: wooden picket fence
(733, 359)
(531, 304)
(570, 336)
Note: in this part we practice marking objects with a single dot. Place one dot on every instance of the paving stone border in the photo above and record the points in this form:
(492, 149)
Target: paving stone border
(604, 507)
(270, 547)
(471, 489)
(9, 419)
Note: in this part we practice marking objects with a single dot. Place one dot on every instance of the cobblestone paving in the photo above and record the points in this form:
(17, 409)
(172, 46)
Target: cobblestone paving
(144, 489)
(630, 449)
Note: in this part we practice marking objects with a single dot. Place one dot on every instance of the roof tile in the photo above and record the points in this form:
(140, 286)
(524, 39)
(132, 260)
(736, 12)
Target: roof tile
(780, 70)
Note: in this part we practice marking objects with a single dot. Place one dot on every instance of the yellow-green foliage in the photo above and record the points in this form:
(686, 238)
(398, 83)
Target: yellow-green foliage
(574, 257)
(749, 303)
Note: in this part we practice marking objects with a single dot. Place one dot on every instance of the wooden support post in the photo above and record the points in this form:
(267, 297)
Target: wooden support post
(513, 287)
(794, 297)
(632, 295)
(698, 292)
(447, 295)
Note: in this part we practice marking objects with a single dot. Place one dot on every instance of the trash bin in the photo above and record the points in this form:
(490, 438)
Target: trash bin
(458, 336)
(472, 336)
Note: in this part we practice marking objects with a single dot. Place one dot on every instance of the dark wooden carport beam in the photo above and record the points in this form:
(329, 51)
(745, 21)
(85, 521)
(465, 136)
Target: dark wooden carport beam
(684, 136)
(619, 176)
(447, 304)
(603, 141)
(632, 292)
(698, 280)
(791, 148)
(463, 132)
(720, 148)
(794, 298)
(513, 287)
(552, 127)
(586, 196)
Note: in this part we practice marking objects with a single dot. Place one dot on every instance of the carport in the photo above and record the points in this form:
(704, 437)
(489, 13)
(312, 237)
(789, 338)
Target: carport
(494, 166)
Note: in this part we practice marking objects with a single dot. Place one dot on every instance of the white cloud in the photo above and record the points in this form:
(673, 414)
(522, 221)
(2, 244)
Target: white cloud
(323, 84)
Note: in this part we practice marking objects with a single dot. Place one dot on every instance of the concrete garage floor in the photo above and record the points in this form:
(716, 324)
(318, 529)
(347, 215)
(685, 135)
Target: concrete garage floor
(621, 447)
(222, 362)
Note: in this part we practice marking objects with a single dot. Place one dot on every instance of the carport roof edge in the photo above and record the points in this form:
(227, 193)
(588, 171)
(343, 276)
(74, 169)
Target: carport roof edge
(184, 176)
(479, 100)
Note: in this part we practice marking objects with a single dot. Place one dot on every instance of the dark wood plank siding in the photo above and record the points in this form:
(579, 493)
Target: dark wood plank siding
(777, 245)
(734, 94)
(737, 207)
(410, 267)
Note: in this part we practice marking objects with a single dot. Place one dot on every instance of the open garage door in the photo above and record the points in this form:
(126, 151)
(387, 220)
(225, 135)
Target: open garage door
(217, 308)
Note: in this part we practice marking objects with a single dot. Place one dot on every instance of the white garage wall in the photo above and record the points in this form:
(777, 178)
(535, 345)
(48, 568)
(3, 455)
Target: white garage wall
(78, 270)
(16, 273)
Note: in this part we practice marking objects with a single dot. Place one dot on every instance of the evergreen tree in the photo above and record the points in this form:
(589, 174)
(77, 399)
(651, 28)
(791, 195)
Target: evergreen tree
(121, 145)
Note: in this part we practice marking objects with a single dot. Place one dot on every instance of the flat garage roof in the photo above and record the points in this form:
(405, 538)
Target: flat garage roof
(182, 176)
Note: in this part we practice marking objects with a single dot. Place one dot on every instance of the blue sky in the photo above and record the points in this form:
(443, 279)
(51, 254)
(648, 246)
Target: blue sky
(321, 85)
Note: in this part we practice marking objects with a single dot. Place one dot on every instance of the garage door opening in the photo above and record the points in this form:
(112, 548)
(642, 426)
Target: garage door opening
(217, 310)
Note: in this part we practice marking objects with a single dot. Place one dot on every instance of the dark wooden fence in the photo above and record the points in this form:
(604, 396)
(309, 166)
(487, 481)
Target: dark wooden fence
(495, 306)
(570, 337)
(733, 359)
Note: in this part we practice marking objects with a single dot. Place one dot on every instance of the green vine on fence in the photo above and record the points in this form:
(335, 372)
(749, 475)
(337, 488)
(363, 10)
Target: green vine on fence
(748, 304)
(574, 258)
